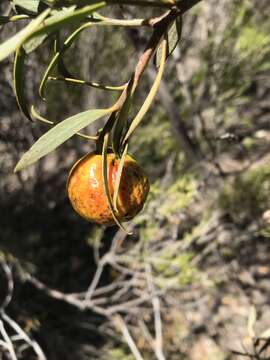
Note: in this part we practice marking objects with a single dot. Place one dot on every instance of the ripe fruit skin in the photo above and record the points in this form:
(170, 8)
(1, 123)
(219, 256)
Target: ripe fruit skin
(85, 188)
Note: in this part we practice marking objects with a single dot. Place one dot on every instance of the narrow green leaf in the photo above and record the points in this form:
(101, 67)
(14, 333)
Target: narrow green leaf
(61, 67)
(30, 5)
(102, 132)
(174, 36)
(18, 82)
(150, 97)
(105, 181)
(120, 125)
(9, 46)
(58, 135)
(37, 116)
(34, 42)
(68, 16)
(56, 57)
(41, 26)
(118, 177)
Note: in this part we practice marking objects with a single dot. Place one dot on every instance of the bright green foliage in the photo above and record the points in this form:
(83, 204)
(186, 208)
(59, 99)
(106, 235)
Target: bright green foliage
(174, 199)
(179, 195)
(248, 196)
(59, 134)
(174, 269)
(119, 354)
(153, 144)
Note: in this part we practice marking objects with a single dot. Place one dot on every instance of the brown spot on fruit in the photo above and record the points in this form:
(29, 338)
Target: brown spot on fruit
(85, 188)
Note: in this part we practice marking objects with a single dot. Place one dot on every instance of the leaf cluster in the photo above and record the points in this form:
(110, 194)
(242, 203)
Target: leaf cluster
(47, 18)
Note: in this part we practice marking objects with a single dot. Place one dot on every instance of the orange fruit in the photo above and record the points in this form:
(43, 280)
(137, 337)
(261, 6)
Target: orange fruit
(85, 188)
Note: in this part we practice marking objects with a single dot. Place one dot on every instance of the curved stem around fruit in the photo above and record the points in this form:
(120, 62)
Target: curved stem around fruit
(106, 182)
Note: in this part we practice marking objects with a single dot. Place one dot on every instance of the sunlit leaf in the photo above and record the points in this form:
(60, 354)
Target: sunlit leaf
(150, 97)
(68, 16)
(41, 26)
(58, 60)
(61, 67)
(9, 46)
(121, 121)
(37, 116)
(58, 135)
(18, 82)
(106, 183)
(174, 36)
(34, 42)
(118, 177)
(57, 56)
(30, 5)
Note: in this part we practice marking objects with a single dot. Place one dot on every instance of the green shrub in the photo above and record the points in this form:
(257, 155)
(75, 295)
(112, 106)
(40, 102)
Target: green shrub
(248, 196)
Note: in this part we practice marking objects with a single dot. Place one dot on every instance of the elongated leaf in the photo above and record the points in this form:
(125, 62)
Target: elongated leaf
(18, 82)
(58, 135)
(150, 97)
(107, 128)
(37, 116)
(61, 67)
(174, 36)
(56, 57)
(38, 26)
(118, 177)
(58, 60)
(9, 46)
(56, 21)
(121, 121)
(120, 127)
(34, 42)
(30, 5)
(68, 16)
(106, 183)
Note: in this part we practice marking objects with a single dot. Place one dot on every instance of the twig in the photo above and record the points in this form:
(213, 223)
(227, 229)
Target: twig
(107, 258)
(120, 324)
(157, 316)
(95, 281)
(147, 334)
(129, 306)
(34, 345)
(10, 284)
(7, 342)
(69, 298)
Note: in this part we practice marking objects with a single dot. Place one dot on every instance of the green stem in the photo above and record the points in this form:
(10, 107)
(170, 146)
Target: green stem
(87, 83)
(150, 97)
